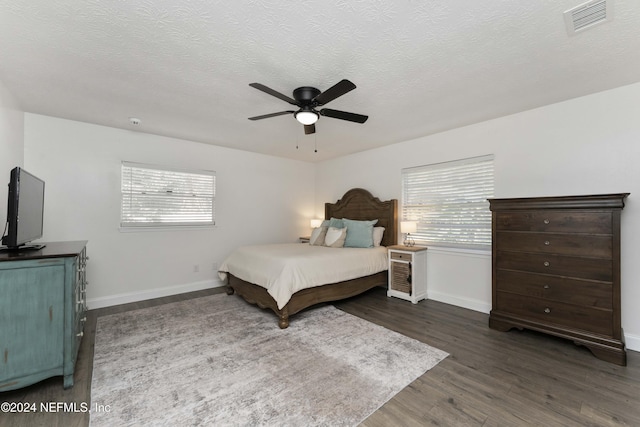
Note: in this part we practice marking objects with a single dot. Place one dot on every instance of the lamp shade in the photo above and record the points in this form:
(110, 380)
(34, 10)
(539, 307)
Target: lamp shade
(315, 223)
(408, 226)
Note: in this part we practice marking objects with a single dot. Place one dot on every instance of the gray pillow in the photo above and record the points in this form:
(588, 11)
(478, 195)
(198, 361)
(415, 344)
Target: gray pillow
(317, 236)
(335, 237)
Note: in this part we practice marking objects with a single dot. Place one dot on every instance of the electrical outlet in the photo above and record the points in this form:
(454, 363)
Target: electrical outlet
(196, 268)
(215, 266)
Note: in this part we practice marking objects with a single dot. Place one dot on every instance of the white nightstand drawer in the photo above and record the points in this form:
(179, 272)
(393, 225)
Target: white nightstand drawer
(401, 256)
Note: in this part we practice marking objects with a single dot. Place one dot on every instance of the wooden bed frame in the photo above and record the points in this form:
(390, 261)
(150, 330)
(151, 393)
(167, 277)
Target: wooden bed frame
(357, 204)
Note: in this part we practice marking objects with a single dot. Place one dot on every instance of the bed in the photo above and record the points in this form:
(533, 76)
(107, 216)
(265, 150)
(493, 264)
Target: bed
(356, 204)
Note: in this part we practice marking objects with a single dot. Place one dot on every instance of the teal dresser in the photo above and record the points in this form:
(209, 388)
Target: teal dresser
(42, 313)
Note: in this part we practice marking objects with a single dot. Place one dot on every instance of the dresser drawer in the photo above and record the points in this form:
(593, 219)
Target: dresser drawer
(571, 291)
(580, 268)
(589, 319)
(597, 246)
(555, 221)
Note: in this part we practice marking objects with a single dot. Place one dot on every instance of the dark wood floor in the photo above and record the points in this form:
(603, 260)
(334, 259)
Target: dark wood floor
(491, 378)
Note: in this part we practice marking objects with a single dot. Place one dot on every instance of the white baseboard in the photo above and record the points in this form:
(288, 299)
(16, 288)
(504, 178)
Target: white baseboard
(151, 294)
(632, 342)
(471, 304)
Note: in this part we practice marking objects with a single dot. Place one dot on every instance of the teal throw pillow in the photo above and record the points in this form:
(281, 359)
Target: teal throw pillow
(359, 233)
(336, 223)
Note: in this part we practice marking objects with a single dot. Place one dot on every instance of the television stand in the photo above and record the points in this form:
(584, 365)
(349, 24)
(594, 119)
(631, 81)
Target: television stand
(21, 248)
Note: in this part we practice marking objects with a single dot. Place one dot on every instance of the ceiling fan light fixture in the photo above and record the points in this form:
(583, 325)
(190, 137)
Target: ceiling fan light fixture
(307, 116)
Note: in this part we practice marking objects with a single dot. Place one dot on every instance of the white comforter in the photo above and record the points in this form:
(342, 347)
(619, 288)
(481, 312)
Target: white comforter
(284, 269)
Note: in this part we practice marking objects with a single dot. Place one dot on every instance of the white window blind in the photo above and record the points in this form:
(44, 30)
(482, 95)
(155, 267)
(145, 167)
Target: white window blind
(154, 196)
(449, 202)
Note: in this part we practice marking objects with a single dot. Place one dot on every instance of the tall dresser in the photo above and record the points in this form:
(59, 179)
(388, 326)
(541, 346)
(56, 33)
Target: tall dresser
(42, 313)
(556, 269)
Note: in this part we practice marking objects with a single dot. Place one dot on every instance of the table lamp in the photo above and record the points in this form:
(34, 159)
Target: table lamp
(408, 227)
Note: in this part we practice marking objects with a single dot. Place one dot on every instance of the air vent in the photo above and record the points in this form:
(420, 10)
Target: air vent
(587, 15)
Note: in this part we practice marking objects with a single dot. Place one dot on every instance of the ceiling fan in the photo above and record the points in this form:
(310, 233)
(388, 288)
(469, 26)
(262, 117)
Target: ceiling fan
(307, 99)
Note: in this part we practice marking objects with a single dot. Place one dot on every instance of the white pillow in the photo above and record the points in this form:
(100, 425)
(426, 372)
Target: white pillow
(317, 236)
(377, 235)
(335, 237)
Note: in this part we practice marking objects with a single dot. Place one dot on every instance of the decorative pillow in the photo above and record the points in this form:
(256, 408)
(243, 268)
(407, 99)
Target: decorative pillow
(360, 233)
(335, 237)
(317, 236)
(378, 232)
(336, 223)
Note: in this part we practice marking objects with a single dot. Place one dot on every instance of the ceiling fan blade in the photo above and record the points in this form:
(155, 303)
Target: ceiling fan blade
(343, 115)
(309, 129)
(266, 116)
(339, 89)
(273, 93)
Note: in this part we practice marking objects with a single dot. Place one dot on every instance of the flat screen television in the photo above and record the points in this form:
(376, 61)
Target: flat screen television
(25, 211)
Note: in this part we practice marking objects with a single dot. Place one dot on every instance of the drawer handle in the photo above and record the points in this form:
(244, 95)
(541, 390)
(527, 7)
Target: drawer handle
(546, 263)
(546, 221)
(547, 310)
(547, 243)
(546, 286)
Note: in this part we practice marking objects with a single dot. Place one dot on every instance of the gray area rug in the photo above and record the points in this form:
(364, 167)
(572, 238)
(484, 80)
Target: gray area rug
(217, 361)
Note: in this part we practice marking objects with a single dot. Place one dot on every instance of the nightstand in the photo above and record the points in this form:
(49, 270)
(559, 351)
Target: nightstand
(408, 272)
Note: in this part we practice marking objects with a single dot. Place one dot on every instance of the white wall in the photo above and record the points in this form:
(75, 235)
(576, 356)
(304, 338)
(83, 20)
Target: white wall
(11, 144)
(259, 199)
(588, 145)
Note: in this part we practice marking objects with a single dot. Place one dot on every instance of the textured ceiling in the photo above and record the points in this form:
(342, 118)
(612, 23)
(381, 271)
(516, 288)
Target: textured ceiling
(421, 67)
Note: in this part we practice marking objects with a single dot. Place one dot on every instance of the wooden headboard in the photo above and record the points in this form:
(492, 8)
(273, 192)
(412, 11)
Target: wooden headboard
(359, 204)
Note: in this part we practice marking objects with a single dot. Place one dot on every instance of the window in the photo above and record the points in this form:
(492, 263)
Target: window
(155, 196)
(449, 202)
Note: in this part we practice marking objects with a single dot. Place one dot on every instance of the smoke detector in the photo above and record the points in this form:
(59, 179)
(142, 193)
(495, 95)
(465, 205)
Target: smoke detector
(587, 15)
